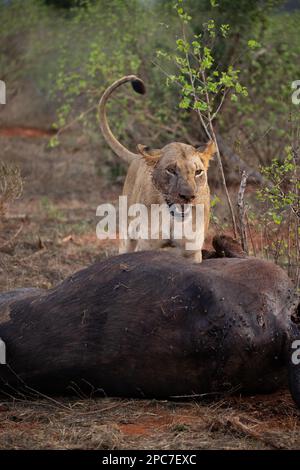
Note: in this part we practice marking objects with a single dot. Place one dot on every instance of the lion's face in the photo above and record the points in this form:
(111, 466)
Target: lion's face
(179, 171)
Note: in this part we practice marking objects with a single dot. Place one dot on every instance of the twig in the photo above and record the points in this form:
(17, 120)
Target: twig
(34, 255)
(235, 422)
(242, 212)
(8, 242)
(75, 120)
(250, 234)
(107, 408)
(32, 390)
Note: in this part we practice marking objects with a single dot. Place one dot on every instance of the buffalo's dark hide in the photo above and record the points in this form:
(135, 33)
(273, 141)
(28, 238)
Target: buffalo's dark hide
(152, 324)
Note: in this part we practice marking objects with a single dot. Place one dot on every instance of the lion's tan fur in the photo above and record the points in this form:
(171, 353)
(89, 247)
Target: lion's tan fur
(175, 174)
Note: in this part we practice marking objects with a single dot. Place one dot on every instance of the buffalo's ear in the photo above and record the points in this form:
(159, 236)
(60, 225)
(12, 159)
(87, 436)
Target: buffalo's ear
(151, 156)
(207, 154)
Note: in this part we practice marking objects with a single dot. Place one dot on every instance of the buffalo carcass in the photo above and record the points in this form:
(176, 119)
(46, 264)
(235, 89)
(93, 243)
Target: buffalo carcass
(151, 324)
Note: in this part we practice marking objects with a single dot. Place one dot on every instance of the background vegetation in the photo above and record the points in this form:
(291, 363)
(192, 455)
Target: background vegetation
(70, 50)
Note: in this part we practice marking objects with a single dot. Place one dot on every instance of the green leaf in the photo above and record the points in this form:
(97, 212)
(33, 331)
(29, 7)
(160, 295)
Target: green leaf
(252, 44)
(224, 28)
(185, 103)
(201, 106)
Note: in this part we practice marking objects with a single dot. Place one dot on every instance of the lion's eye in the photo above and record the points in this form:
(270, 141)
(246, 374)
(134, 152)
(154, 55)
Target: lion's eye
(171, 171)
(199, 172)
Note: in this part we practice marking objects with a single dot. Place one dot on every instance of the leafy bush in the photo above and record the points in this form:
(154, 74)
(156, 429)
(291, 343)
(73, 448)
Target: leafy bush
(281, 210)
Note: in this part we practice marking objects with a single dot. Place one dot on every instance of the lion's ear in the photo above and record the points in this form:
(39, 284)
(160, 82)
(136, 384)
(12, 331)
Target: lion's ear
(150, 156)
(207, 154)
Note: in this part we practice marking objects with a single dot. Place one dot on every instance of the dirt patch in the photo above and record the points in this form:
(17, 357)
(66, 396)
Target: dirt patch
(135, 429)
(25, 132)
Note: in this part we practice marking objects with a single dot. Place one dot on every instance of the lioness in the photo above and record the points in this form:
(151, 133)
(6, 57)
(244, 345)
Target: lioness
(173, 175)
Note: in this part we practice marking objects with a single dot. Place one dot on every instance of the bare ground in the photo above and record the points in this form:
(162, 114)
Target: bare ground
(48, 234)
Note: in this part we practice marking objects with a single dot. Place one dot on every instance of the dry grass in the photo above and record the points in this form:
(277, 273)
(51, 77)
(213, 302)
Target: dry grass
(264, 422)
(11, 185)
(57, 216)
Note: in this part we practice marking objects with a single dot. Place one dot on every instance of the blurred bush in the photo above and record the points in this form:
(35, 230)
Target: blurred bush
(74, 53)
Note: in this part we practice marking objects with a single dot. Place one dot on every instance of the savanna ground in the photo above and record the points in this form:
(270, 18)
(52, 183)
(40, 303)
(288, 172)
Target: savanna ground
(49, 233)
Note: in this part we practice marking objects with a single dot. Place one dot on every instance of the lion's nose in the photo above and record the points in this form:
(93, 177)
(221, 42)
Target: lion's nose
(187, 196)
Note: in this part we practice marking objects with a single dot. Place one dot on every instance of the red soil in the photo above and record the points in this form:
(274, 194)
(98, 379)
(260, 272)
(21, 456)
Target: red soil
(25, 132)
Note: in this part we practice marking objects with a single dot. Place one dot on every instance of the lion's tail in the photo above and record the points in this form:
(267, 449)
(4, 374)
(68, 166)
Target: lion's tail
(115, 145)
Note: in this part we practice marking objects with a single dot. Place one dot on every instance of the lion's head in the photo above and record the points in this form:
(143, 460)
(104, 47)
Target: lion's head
(179, 171)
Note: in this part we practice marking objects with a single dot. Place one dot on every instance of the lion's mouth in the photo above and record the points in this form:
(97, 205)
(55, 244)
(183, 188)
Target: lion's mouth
(179, 211)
